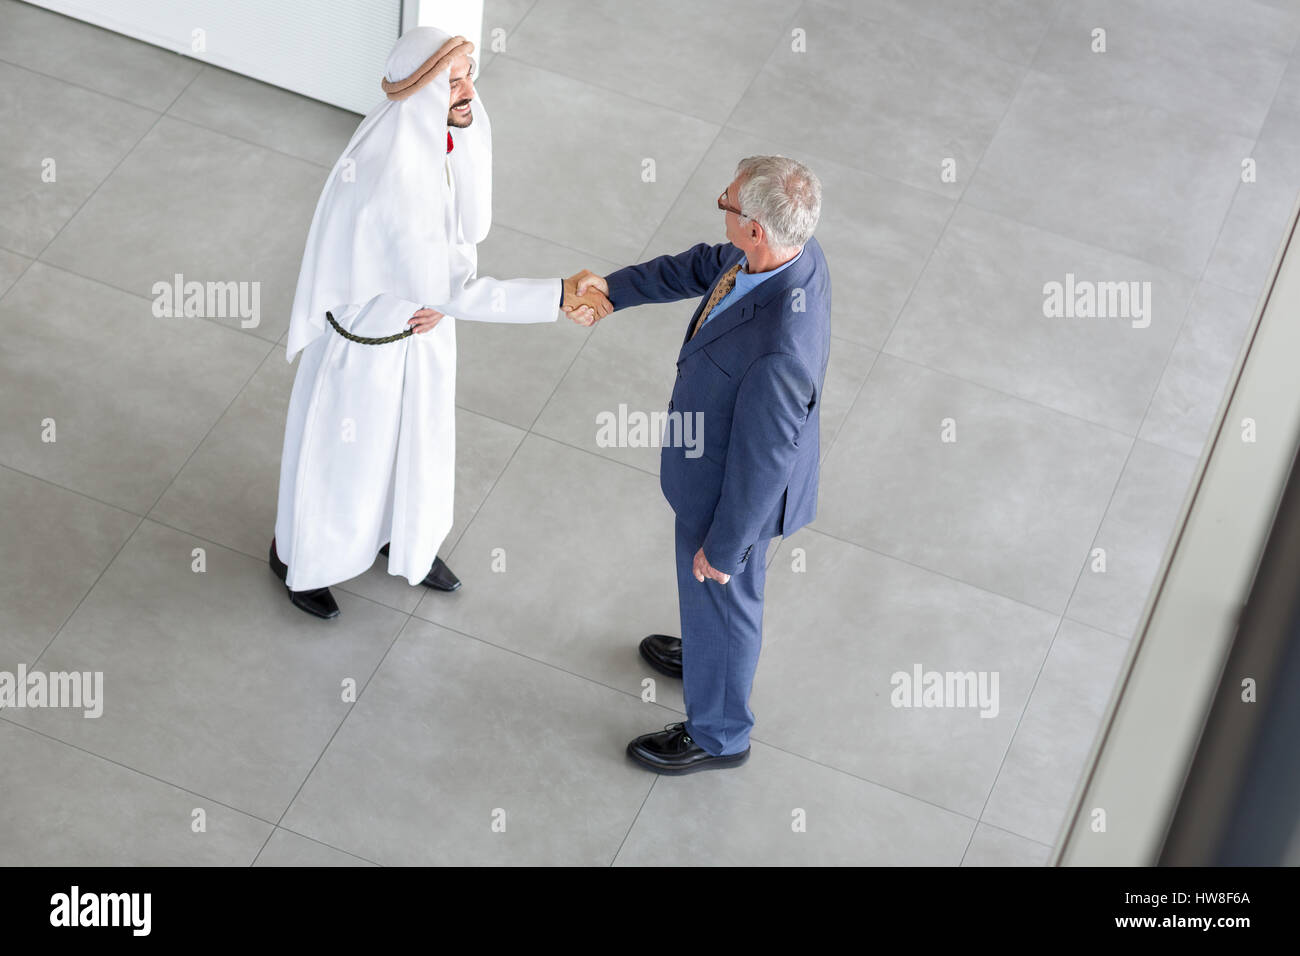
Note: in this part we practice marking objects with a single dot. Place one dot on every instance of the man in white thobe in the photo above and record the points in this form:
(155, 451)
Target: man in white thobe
(390, 264)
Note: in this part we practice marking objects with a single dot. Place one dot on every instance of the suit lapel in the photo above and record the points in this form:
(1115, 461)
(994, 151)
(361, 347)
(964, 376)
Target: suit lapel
(746, 307)
(686, 338)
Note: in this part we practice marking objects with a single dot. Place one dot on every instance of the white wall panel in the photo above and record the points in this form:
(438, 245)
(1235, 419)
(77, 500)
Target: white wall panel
(332, 50)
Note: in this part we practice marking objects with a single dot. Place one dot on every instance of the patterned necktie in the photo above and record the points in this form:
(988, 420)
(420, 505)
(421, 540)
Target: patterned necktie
(725, 285)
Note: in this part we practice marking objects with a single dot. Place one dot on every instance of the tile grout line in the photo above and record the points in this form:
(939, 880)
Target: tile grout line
(554, 667)
(669, 210)
(410, 615)
(59, 741)
(324, 167)
(436, 623)
(109, 175)
(54, 484)
(211, 320)
(564, 375)
(635, 818)
(1118, 432)
(149, 514)
(920, 29)
(604, 89)
(92, 193)
(216, 421)
(1101, 522)
(71, 614)
(559, 383)
(650, 239)
(90, 89)
(943, 231)
(277, 825)
(1201, 280)
(874, 173)
(529, 431)
(108, 285)
(134, 770)
(995, 826)
(304, 836)
(1042, 666)
(145, 516)
(127, 539)
(1029, 696)
(956, 580)
(674, 710)
(1114, 491)
(361, 692)
(497, 221)
(667, 214)
(203, 65)
(641, 472)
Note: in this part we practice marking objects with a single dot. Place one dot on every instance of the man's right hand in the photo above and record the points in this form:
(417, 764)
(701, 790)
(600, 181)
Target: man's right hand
(586, 298)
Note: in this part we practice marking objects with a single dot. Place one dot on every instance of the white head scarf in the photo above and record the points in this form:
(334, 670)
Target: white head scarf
(385, 230)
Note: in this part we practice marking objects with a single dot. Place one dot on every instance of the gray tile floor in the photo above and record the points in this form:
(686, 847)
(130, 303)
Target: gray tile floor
(512, 700)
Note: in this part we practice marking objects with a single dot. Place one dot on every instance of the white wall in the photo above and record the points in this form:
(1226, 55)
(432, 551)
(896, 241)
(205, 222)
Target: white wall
(332, 50)
(457, 17)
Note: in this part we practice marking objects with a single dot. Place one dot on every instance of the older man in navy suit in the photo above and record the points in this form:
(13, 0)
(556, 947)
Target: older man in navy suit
(752, 364)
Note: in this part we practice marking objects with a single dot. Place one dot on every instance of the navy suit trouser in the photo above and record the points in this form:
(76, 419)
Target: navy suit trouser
(722, 628)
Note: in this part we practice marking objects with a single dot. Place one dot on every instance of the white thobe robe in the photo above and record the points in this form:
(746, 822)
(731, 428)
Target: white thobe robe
(370, 437)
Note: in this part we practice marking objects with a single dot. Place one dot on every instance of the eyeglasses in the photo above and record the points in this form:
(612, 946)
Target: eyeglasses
(722, 204)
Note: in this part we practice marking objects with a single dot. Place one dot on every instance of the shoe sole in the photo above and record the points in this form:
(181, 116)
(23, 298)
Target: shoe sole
(716, 763)
(431, 587)
(323, 617)
(289, 591)
(657, 665)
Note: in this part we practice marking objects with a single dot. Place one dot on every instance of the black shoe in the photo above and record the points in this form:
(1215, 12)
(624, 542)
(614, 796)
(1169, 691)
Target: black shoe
(663, 653)
(673, 751)
(439, 577)
(318, 602)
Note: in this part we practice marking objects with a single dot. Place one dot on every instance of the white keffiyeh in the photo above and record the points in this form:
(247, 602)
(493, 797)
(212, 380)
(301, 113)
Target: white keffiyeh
(380, 224)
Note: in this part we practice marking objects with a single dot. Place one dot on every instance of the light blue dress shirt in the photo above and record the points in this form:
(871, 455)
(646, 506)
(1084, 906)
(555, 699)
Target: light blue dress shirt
(745, 282)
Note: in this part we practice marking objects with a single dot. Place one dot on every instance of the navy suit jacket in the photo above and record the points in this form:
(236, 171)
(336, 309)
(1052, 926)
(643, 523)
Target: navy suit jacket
(756, 372)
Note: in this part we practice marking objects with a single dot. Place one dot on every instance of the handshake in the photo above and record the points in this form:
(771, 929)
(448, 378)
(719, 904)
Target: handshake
(586, 301)
(586, 298)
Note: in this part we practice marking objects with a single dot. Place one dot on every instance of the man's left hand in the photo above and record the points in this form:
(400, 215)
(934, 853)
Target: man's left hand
(424, 320)
(705, 570)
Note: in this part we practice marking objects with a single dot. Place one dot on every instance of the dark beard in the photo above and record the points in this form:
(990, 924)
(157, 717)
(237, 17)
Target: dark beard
(454, 119)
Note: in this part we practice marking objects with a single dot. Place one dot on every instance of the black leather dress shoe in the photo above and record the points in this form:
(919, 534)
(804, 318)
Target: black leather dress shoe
(439, 577)
(663, 653)
(673, 751)
(318, 602)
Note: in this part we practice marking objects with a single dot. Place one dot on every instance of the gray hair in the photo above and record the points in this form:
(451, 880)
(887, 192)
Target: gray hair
(784, 196)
